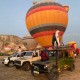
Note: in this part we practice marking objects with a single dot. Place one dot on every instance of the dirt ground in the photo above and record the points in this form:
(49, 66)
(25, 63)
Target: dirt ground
(7, 73)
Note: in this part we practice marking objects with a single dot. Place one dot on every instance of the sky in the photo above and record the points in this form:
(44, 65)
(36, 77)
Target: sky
(13, 13)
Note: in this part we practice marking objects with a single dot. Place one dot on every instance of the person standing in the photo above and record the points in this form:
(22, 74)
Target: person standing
(44, 55)
(55, 41)
(55, 38)
(19, 51)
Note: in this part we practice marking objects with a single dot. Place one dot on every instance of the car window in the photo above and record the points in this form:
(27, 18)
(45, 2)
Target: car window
(51, 53)
(23, 53)
(20, 54)
(14, 55)
(28, 54)
(61, 54)
(35, 54)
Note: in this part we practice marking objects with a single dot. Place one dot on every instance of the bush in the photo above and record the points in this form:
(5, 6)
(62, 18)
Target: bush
(4, 54)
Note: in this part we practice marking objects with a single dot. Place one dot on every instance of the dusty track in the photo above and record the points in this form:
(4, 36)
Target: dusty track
(7, 73)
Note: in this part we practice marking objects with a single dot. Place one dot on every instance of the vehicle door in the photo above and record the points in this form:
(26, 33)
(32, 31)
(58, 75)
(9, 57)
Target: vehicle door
(68, 60)
(14, 56)
(36, 56)
(28, 55)
(61, 60)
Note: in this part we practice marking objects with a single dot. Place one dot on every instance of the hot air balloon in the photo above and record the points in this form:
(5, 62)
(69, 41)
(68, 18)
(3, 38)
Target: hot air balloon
(30, 43)
(73, 44)
(42, 19)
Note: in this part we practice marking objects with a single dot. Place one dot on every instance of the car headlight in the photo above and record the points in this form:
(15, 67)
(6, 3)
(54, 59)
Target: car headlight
(45, 67)
(31, 63)
(6, 60)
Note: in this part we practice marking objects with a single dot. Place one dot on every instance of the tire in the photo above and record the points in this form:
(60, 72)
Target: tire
(32, 72)
(11, 64)
(17, 67)
(6, 65)
(26, 67)
(53, 74)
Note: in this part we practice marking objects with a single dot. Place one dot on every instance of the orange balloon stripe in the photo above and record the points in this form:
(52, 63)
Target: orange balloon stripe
(46, 17)
(39, 34)
(47, 27)
(42, 19)
(42, 8)
(45, 40)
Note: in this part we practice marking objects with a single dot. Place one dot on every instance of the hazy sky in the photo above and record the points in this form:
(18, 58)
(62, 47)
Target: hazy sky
(13, 12)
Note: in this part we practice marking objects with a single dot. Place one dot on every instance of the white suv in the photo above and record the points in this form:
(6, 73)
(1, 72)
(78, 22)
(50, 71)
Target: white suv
(9, 61)
(25, 62)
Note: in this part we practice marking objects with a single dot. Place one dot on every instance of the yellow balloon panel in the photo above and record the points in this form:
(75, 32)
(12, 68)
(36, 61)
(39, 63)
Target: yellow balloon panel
(43, 18)
(72, 42)
(46, 40)
(47, 17)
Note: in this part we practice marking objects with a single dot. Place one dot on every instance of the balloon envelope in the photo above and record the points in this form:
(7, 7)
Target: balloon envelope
(30, 43)
(43, 18)
(71, 43)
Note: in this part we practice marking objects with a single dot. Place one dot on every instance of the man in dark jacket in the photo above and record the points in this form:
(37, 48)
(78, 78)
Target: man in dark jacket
(44, 55)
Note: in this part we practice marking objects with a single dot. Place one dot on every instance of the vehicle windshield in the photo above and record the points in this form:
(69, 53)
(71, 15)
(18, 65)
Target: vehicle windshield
(52, 53)
(28, 54)
(14, 55)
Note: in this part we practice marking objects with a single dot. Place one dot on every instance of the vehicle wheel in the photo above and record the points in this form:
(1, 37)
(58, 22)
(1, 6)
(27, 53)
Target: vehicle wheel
(26, 67)
(53, 74)
(72, 67)
(11, 64)
(17, 67)
(32, 72)
(6, 65)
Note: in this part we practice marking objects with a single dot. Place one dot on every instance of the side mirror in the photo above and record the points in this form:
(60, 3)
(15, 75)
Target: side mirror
(18, 55)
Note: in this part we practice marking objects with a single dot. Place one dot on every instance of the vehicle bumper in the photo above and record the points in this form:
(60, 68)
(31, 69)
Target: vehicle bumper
(37, 70)
(5, 62)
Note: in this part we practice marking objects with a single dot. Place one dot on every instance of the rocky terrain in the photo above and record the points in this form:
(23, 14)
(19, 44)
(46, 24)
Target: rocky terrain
(10, 40)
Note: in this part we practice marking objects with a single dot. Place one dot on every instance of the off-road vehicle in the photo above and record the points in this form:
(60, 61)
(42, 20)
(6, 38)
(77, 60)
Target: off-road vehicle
(58, 61)
(25, 62)
(9, 61)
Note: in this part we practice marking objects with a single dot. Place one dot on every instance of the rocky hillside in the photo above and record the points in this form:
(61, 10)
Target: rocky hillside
(10, 40)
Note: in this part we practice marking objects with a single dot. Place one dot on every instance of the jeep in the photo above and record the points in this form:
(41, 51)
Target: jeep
(25, 62)
(59, 60)
(9, 61)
